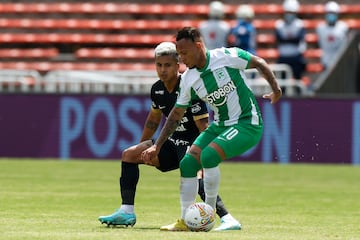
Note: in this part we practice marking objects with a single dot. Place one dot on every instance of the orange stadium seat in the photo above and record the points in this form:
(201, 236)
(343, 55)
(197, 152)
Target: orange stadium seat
(46, 66)
(273, 53)
(28, 23)
(145, 39)
(28, 53)
(148, 53)
(115, 53)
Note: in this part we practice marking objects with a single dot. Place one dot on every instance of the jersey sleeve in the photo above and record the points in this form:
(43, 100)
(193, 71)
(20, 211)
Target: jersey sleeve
(154, 104)
(199, 110)
(238, 57)
(184, 98)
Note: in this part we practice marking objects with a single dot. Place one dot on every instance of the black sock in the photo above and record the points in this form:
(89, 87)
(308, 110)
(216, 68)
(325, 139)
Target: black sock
(128, 181)
(220, 207)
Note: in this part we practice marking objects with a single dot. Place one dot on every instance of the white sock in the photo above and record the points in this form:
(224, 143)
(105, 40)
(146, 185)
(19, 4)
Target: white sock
(188, 191)
(211, 185)
(127, 208)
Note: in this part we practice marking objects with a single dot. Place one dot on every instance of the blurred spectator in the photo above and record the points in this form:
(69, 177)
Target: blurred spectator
(290, 38)
(215, 30)
(243, 34)
(332, 33)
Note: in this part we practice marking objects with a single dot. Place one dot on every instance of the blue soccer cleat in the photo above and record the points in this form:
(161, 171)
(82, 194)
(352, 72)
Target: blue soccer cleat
(119, 217)
(228, 222)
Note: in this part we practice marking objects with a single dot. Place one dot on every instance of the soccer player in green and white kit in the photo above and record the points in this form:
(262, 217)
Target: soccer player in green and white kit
(217, 77)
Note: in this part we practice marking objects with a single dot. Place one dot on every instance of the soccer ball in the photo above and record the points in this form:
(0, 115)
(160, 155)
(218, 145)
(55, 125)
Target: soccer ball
(200, 217)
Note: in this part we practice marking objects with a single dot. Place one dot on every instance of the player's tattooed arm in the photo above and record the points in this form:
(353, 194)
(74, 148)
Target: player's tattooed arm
(172, 122)
(264, 69)
(170, 126)
(151, 125)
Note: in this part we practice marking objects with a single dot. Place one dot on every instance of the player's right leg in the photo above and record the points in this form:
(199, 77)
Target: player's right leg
(129, 178)
(228, 222)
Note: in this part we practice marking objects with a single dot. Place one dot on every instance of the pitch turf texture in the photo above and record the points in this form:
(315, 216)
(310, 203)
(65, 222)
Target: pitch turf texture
(51, 199)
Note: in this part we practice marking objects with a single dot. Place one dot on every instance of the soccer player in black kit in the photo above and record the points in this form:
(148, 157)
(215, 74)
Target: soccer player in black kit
(163, 95)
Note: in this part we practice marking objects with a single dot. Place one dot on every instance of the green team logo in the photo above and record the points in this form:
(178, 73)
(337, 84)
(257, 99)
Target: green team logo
(220, 74)
(219, 97)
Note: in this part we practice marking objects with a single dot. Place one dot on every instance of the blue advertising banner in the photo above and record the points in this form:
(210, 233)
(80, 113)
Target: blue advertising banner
(101, 127)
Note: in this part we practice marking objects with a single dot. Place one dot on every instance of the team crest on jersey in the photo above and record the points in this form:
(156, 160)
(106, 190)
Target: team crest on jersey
(220, 74)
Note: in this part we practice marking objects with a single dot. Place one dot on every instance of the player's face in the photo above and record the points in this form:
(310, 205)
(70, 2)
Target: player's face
(167, 68)
(189, 52)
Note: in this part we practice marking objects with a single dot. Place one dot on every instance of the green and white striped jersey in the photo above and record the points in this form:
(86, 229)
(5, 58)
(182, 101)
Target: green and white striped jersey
(221, 84)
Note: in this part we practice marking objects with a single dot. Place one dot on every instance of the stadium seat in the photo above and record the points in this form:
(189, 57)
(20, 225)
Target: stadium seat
(28, 53)
(145, 39)
(92, 24)
(147, 53)
(45, 66)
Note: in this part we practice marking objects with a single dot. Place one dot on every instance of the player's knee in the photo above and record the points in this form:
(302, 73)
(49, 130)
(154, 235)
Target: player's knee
(189, 166)
(126, 155)
(209, 157)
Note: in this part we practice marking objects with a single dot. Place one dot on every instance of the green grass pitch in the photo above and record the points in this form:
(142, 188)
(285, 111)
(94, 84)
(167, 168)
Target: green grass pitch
(51, 199)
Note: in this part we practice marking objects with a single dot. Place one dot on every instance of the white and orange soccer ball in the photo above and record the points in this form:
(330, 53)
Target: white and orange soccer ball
(200, 217)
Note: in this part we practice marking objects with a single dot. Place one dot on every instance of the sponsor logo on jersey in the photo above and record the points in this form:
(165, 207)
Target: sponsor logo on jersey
(179, 142)
(219, 97)
(162, 107)
(160, 92)
(181, 127)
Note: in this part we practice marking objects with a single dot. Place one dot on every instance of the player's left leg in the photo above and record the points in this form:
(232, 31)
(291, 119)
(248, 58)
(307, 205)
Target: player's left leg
(129, 178)
(231, 141)
(228, 222)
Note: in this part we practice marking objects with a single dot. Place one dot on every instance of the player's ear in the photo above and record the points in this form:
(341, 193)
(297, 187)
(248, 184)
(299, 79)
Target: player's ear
(198, 44)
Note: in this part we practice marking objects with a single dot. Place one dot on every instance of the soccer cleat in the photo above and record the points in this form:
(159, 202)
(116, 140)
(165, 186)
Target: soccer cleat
(119, 217)
(228, 224)
(177, 227)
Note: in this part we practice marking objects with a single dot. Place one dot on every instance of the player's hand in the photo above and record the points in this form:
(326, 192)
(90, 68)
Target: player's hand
(148, 154)
(273, 96)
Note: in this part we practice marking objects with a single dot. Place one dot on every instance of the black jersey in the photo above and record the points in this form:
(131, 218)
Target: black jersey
(163, 100)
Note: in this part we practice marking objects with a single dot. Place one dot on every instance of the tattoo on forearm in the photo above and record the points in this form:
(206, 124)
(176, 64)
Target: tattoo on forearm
(167, 130)
(151, 125)
(267, 74)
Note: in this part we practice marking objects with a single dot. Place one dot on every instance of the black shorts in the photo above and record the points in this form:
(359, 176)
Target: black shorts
(170, 156)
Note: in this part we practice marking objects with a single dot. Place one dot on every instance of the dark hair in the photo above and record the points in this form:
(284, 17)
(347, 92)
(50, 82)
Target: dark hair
(189, 33)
